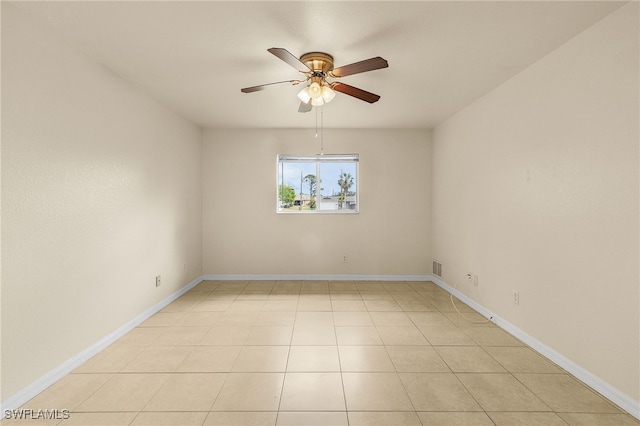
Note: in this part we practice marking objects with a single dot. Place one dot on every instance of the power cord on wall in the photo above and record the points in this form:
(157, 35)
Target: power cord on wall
(461, 314)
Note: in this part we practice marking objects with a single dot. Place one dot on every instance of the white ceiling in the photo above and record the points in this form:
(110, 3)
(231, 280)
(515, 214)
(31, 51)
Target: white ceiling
(194, 57)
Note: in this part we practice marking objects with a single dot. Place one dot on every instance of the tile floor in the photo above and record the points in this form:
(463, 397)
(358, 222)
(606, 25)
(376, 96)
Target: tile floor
(321, 353)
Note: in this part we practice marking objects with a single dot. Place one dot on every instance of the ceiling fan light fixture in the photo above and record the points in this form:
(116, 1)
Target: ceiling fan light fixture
(315, 91)
(317, 101)
(304, 96)
(327, 94)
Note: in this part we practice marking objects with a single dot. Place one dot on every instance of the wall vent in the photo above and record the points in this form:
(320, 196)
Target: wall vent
(437, 268)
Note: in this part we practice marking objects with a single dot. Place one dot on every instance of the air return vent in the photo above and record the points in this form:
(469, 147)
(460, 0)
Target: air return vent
(437, 268)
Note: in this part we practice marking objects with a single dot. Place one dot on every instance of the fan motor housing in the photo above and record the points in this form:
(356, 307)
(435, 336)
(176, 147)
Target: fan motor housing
(318, 61)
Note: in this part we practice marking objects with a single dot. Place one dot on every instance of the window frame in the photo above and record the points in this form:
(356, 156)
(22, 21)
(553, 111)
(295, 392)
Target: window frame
(318, 159)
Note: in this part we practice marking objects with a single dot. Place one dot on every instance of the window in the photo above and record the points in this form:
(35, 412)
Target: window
(324, 183)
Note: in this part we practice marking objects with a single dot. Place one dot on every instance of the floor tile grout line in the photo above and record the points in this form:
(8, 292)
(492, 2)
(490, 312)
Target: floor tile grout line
(484, 410)
(406, 391)
(532, 392)
(227, 375)
(286, 367)
(344, 391)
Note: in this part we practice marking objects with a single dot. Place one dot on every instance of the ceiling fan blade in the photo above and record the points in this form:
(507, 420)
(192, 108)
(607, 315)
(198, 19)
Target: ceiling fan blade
(286, 56)
(305, 107)
(358, 67)
(355, 92)
(263, 86)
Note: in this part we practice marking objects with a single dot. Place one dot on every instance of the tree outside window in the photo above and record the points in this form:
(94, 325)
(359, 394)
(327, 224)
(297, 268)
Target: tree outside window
(318, 183)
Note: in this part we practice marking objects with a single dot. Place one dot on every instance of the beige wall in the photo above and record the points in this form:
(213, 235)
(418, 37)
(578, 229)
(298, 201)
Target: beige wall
(536, 189)
(101, 193)
(244, 235)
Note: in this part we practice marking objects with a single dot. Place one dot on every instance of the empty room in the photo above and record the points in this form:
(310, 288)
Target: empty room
(320, 213)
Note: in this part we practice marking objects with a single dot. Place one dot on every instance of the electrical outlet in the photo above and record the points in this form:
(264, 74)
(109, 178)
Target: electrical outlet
(516, 297)
(343, 259)
(469, 279)
(158, 281)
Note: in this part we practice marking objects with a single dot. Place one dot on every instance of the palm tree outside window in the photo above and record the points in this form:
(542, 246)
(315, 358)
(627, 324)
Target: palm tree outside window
(326, 183)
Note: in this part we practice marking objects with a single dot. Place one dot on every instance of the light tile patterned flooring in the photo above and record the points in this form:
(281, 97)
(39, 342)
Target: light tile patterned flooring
(321, 353)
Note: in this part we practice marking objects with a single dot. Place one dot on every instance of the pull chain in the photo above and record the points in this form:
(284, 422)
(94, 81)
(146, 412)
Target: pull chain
(321, 131)
(321, 128)
(316, 123)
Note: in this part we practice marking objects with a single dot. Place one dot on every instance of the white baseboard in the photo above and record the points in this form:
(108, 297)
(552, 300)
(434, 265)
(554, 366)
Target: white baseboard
(622, 400)
(319, 277)
(30, 391)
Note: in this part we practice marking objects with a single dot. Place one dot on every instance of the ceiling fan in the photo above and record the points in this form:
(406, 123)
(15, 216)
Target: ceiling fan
(317, 67)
